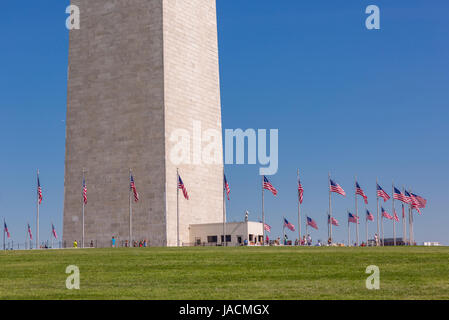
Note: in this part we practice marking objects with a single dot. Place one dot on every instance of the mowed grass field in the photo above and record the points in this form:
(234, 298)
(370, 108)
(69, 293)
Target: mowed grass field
(227, 273)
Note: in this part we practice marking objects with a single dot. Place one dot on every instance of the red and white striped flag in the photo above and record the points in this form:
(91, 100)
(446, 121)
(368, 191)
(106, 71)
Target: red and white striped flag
(332, 220)
(84, 191)
(422, 202)
(413, 201)
(53, 231)
(267, 227)
(132, 187)
(335, 187)
(226, 186)
(395, 216)
(360, 192)
(182, 187)
(268, 186)
(39, 190)
(29, 232)
(352, 218)
(289, 225)
(382, 194)
(300, 191)
(369, 215)
(385, 214)
(398, 195)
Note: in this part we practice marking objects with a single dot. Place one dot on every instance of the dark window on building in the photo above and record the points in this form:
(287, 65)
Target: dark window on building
(228, 238)
(250, 237)
(212, 239)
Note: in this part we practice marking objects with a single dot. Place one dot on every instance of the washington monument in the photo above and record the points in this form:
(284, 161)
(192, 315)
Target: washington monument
(138, 70)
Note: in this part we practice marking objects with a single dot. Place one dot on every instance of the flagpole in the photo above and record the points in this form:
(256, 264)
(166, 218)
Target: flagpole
(263, 213)
(349, 231)
(130, 210)
(224, 211)
(37, 215)
(412, 238)
(382, 221)
(356, 213)
(299, 214)
(51, 235)
(377, 198)
(283, 233)
(394, 218)
(329, 224)
(177, 207)
(4, 244)
(307, 231)
(366, 227)
(83, 211)
(404, 227)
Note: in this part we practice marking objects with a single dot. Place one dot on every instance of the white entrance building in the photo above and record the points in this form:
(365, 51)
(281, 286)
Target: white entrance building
(211, 234)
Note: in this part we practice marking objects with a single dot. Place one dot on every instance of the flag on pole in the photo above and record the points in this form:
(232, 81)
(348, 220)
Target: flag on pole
(360, 192)
(267, 227)
(267, 185)
(332, 220)
(413, 201)
(395, 216)
(84, 191)
(53, 231)
(369, 215)
(382, 194)
(182, 187)
(39, 190)
(335, 187)
(352, 218)
(422, 202)
(132, 186)
(385, 214)
(7, 231)
(289, 225)
(226, 186)
(312, 223)
(29, 232)
(300, 191)
(398, 195)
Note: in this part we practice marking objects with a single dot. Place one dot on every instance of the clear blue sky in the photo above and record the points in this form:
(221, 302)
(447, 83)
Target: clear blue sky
(345, 100)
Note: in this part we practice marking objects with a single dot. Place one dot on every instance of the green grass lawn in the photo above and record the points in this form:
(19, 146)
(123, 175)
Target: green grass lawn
(227, 273)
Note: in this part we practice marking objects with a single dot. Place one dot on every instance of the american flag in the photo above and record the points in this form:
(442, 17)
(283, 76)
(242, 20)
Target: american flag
(6, 230)
(369, 216)
(182, 187)
(267, 185)
(398, 195)
(385, 214)
(352, 218)
(84, 191)
(332, 220)
(132, 186)
(395, 216)
(360, 192)
(53, 230)
(39, 190)
(29, 232)
(300, 191)
(382, 194)
(226, 186)
(413, 201)
(267, 227)
(289, 225)
(312, 223)
(335, 187)
(422, 202)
